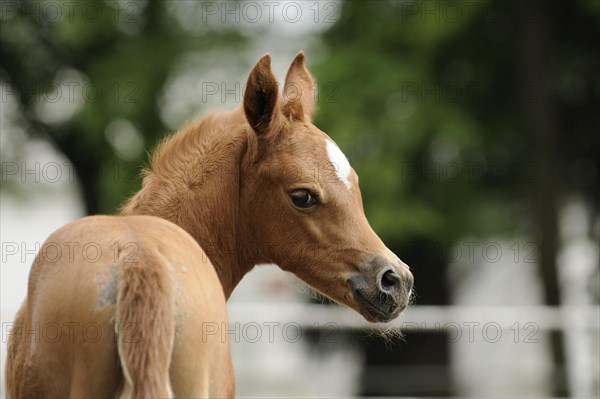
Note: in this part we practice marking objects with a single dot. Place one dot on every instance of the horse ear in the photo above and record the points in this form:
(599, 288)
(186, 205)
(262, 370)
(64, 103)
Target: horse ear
(260, 96)
(299, 91)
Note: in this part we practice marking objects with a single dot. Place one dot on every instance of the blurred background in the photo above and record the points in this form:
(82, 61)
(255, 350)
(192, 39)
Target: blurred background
(474, 127)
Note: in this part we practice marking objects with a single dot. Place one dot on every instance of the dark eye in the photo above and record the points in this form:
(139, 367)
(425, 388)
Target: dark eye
(303, 198)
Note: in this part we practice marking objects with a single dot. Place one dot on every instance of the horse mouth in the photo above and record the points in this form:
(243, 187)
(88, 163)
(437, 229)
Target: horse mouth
(381, 291)
(382, 312)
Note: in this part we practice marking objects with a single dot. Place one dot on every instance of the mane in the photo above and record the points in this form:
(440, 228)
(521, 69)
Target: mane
(177, 156)
(185, 161)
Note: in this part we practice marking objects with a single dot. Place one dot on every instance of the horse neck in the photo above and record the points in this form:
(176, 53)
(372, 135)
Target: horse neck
(194, 182)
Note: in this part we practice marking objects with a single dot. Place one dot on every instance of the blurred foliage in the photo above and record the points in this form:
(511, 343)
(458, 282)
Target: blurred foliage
(429, 106)
(466, 119)
(118, 55)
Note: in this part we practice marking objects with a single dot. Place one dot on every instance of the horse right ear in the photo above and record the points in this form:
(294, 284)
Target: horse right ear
(260, 96)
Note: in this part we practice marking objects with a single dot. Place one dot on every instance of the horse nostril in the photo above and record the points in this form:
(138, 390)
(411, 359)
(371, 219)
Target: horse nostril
(390, 282)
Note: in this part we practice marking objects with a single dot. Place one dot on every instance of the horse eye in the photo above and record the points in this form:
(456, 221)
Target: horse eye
(303, 198)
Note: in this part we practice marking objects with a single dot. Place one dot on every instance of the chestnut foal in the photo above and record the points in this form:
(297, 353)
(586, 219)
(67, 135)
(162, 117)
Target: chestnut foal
(116, 304)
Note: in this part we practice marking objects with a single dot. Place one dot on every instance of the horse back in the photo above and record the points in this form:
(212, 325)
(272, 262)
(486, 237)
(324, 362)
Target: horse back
(110, 295)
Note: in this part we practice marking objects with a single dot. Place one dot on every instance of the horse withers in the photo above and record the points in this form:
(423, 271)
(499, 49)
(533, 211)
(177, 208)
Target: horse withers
(120, 310)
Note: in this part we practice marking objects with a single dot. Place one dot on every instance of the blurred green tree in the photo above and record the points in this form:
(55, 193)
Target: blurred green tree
(468, 119)
(119, 54)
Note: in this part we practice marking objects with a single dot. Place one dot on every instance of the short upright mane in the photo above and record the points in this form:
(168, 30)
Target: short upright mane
(196, 149)
(187, 159)
(183, 146)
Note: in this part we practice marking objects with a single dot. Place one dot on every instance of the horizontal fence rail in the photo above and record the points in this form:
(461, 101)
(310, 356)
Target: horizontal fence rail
(415, 317)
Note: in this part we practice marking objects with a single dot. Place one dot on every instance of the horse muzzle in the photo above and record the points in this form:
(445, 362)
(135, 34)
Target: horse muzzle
(383, 290)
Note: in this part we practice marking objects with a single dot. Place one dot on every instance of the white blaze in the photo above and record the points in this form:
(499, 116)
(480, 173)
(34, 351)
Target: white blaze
(340, 162)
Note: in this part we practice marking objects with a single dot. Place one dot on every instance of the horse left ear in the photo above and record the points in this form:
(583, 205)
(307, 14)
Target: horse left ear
(298, 91)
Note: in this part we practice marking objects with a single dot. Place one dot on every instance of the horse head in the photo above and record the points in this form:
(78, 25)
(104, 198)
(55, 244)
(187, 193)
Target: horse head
(300, 200)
